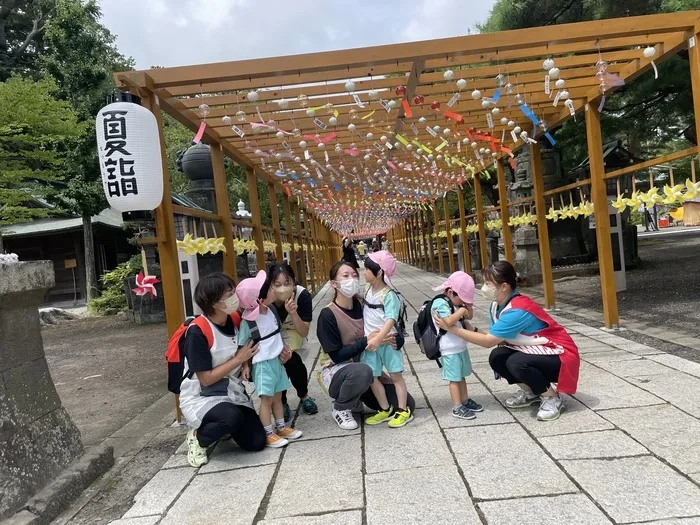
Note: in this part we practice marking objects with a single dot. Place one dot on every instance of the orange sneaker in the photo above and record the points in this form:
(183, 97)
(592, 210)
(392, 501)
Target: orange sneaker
(275, 441)
(289, 433)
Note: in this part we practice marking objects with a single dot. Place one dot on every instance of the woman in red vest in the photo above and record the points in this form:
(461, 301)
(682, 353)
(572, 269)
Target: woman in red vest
(532, 350)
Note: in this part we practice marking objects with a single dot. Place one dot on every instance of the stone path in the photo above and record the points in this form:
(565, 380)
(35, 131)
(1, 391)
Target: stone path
(626, 451)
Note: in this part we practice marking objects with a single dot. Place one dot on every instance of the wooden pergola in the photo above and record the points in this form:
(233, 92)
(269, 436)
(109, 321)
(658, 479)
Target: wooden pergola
(371, 139)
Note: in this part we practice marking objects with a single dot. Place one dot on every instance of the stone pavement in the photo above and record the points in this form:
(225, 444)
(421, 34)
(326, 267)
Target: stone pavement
(626, 451)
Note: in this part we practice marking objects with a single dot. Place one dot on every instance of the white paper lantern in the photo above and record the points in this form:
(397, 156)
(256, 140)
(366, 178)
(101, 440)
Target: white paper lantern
(130, 157)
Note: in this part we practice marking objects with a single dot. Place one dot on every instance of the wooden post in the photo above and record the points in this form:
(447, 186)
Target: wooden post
(480, 221)
(309, 252)
(165, 229)
(694, 59)
(290, 233)
(542, 229)
(505, 214)
(300, 240)
(602, 218)
(421, 222)
(276, 229)
(428, 230)
(436, 214)
(255, 213)
(407, 233)
(465, 237)
(223, 209)
(448, 228)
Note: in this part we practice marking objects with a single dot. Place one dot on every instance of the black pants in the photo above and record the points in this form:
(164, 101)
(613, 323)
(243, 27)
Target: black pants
(534, 370)
(298, 375)
(241, 422)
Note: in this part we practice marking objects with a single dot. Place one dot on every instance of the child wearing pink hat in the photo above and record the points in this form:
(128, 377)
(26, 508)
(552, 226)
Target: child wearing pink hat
(381, 312)
(262, 325)
(455, 306)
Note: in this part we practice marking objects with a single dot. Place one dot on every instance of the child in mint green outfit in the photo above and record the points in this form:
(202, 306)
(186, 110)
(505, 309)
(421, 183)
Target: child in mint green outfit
(381, 312)
(456, 365)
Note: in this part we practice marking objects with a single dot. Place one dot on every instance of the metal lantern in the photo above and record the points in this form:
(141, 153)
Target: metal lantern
(130, 157)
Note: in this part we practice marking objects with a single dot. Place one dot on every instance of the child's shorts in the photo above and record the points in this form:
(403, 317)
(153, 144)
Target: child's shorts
(270, 377)
(456, 366)
(384, 357)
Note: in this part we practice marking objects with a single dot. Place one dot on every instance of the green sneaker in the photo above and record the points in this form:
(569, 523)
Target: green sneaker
(401, 418)
(196, 455)
(380, 417)
(287, 412)
(309, 405)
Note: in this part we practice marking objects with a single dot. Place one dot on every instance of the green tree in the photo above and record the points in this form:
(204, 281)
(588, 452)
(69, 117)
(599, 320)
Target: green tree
(80, 54)
(21, 32)
(37, 134)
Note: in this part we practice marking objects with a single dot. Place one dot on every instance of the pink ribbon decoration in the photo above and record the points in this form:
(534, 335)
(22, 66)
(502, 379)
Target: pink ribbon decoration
(391, 165)
(352, 152)
(146, 285)
(324, 140)
(200, 133)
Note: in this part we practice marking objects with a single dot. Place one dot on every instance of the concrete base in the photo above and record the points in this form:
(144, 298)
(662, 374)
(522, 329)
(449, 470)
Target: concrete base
(39, 439)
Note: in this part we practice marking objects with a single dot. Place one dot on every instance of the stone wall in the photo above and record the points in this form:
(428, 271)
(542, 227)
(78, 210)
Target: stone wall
(38, 438)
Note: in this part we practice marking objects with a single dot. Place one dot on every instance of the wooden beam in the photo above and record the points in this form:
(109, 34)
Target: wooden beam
(165, 228)
(274, 212)
(428, 228)
(653, 162)
(450, 241)
(411, 85)
(465, 235)
(505, 213)
(256, 219)
(223, 209)
(457, 46)
(483, 250)
(290, 235)
(309, 251)
(602, 222)
(694, 60)
(542, 227)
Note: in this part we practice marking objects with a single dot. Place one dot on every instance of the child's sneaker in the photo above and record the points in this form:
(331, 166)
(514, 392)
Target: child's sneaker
(275, 441)
(196, 454)
(380, 417)
(462, 412)
(473, 405)
(401, 418)
(289, 433)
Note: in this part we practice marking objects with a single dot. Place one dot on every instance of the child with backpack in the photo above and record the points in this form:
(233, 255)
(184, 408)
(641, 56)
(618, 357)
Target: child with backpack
(382, 312)
(262, 325)
(453, 306)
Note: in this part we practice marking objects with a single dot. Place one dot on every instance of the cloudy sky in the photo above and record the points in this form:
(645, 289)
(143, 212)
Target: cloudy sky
(182, 32)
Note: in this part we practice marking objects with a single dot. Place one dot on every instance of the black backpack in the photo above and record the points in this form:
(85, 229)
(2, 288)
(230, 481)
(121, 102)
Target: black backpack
(427, 336)
(403, 314)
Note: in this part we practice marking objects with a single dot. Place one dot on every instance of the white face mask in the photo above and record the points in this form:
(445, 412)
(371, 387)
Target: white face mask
(489, 292)
(230, 305)
(349, 287)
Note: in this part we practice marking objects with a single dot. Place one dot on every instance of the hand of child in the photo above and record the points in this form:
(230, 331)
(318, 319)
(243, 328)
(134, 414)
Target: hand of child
(245, 371)
(372, 343)
(469, 311)
(389, 339)
(286, 355)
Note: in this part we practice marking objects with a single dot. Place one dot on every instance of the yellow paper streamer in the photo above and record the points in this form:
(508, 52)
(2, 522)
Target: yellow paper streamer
(401, 139)
(369, 114)
(442, 145)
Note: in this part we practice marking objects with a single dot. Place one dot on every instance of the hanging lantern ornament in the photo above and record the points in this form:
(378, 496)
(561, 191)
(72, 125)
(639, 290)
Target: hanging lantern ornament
(350, 86)
(435, 105)
(519, 99)
(504, 120)
(509, 88)
(303, 144)
(226, 120)
(650, 52)
(554, 72)
(496, 111)
(310, 112)
(253, 96)
(476, 94)
(422, 120)
(448, 75)
(461, 84)
(511, 123)
(280, 135)
(283, 103)
(392, 103)
(204, 110)
(303, 100)
(127, 136)
(500, 79)
(351, 127)
(373, 94)
(418, 100)
(548, 64)
(485, 103)
(332, 121)
(400, 91)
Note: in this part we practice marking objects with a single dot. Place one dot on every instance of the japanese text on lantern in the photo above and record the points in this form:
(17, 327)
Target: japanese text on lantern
(121, 179)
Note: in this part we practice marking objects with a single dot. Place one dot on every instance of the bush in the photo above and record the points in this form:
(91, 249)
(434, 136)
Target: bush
(113, 299)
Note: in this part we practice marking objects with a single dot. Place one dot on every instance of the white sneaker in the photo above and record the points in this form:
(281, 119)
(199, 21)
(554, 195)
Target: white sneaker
(196, 455)
(522, 400)
(550, 408)
(344, 419)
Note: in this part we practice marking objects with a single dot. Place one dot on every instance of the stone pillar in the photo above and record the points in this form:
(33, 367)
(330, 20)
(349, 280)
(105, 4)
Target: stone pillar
(38, 436)
(527, 254)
